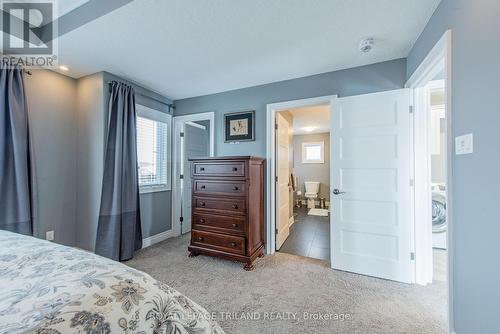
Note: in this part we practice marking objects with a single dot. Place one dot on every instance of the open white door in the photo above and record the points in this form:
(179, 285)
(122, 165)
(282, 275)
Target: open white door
(196, 144)
(283, 185)
(371, 218)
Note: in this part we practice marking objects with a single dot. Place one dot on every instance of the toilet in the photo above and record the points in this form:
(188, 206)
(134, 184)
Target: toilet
(311, 194)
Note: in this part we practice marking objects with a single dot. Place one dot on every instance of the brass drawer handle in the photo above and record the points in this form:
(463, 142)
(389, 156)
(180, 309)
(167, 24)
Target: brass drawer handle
(235, 206)
(202, 203)
(200, 238)
(235, 169)
(202, 221)
(236, 188)
(233, 244)
(235, 225)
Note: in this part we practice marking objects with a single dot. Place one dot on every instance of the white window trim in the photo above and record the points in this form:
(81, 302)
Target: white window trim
(159, 116)
(315, 143)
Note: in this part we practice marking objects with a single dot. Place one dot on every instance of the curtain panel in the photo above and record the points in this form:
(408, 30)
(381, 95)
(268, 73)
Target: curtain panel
(119, 229)
(15, 169)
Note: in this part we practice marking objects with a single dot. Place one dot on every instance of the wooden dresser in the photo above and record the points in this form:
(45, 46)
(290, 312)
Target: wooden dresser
(228, 208)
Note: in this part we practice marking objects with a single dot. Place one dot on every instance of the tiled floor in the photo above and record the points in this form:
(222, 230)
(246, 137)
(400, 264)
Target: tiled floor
(309, 236)
(440, 264)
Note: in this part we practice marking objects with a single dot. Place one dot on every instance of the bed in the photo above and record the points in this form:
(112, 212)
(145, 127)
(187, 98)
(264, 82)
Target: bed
(47, 288)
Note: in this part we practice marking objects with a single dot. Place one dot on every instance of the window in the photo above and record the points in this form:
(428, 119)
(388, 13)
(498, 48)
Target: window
(313, 153)
(153, 149)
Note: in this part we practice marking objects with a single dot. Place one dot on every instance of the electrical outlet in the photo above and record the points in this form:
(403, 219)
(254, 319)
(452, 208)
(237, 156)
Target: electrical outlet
(49, 236)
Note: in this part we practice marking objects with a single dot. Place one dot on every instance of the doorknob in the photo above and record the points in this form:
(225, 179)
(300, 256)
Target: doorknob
(338, 192)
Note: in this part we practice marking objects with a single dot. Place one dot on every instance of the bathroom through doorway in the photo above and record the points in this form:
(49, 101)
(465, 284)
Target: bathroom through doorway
(303, 181)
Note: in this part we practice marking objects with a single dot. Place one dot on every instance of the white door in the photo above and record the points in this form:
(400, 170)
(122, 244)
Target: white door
(371, 218)
(282, 187)
(196, 145)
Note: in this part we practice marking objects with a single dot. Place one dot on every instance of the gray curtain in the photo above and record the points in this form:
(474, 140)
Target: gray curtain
(119, 231)
(15, 184)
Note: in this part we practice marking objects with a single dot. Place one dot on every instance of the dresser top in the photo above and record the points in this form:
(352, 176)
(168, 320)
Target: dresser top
(228, 158)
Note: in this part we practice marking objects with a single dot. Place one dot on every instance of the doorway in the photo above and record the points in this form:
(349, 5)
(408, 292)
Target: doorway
(303, 186)
(370, 219)
(431, 85)
(439, 224)
(193, 138)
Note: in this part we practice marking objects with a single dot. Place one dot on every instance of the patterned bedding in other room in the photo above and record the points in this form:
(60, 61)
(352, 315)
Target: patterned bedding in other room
(47, 288)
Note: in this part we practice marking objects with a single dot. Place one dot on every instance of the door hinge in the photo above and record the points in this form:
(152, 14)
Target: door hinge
(181, 219)
(411, 109)
(276, 179)
(276, 231)
(181, 176)
(276, 126)
(182, 134)
(412, 182)
(412, 256)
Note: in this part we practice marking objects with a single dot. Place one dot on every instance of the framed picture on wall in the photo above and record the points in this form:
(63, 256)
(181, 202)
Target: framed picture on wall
(239, 126)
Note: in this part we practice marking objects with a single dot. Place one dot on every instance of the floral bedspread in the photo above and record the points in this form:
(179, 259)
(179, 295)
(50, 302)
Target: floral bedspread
(50, 289)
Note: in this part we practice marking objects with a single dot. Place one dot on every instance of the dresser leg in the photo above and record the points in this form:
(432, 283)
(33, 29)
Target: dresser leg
(249, 266)
(193, 254)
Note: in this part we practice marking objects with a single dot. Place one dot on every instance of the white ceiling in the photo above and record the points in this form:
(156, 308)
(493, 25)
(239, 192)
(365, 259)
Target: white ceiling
(309, 120)
(185, 48)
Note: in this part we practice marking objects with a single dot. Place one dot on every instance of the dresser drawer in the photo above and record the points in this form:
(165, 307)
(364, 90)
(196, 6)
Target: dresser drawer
(223, 242)
(226, 206)
(219, 169)
(232, 225)
(225, 188)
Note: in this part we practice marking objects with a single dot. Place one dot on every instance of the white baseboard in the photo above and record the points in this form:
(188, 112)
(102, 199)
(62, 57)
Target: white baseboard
(154, 239)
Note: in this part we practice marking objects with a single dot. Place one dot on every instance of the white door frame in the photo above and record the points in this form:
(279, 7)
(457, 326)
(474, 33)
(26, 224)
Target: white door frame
(177, 170)
(438, 58)
(271, 160)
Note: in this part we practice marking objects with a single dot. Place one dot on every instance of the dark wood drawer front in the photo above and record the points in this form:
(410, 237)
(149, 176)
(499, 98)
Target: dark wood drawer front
(225, 206)
(233, 188)
(223, 242)
(215, 223)
(219, 169)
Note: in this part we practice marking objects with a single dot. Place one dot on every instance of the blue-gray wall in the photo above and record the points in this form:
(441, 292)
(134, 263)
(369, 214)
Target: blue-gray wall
(90, 126)
(360, 80)
(52, 105)
(476, 177)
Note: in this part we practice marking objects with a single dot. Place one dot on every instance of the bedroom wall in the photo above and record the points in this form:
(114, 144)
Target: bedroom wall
(91, 126)
(360, 80)
(476, 180)
(52, 100)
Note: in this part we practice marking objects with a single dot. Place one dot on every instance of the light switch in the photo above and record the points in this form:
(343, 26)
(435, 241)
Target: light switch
(464, 144)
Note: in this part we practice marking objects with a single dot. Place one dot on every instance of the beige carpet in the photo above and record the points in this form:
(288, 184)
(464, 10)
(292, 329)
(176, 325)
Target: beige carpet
(284, 286)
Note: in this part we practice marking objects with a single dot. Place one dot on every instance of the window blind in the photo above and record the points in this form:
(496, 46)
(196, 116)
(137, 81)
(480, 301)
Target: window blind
(152, 139)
